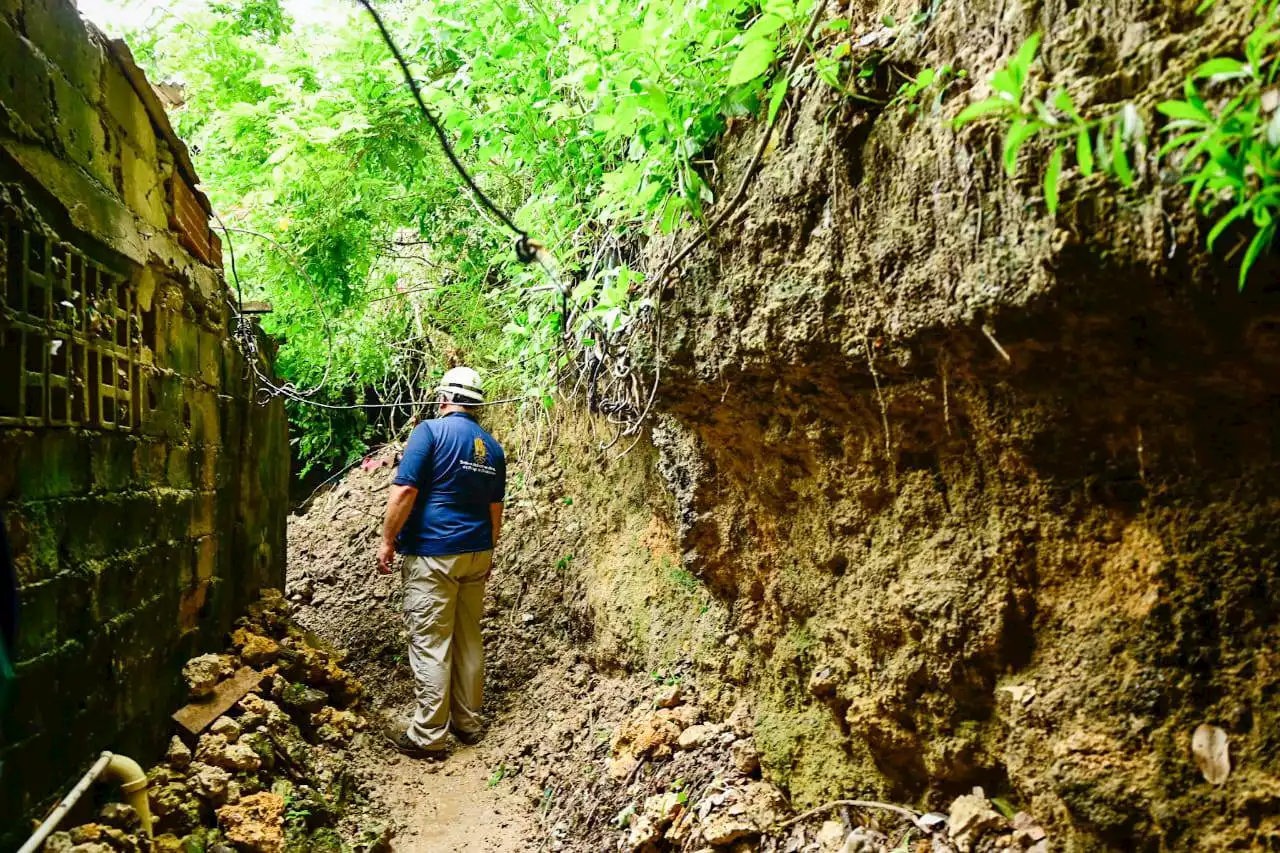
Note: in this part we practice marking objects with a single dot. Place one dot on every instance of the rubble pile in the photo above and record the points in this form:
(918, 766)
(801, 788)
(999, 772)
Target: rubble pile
(667, 777)
(270, 774)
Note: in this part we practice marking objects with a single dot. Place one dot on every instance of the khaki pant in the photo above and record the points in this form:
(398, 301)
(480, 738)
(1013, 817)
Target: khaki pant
(443, 601)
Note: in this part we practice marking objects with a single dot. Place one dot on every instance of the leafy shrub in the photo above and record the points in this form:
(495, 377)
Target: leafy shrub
(1229, 150)
(1227, 147)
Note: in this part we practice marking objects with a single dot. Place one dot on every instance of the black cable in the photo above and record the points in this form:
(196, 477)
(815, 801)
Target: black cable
(231, 251)
(526, 249)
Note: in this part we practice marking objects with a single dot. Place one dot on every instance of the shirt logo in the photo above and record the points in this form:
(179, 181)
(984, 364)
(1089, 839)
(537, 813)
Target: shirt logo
(479, 454)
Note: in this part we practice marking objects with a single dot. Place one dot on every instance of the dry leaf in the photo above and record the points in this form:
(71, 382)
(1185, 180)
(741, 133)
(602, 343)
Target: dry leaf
(1209, 748)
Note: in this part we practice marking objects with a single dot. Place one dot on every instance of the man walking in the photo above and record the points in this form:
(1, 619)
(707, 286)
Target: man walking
(444, 515)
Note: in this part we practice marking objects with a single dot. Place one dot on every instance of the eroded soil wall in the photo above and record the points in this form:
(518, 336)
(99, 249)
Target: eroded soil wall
(980, 495)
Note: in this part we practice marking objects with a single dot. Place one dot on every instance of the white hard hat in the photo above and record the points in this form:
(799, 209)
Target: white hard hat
(462, 384)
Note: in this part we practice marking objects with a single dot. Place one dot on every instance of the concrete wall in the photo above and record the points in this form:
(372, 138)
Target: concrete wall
(144, 491)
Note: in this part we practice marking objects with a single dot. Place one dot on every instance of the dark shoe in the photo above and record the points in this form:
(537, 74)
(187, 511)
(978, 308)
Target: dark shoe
(399, 740)
(466, 738)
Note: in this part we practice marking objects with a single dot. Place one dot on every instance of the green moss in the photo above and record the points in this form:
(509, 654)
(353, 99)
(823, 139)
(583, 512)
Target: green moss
(803, 751)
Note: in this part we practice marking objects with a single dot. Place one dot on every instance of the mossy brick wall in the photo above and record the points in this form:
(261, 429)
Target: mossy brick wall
(144, 490)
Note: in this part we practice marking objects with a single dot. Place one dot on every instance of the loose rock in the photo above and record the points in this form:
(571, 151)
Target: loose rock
(209, 781)
(179, 754)
(202, 674)
(972, 817)
(214, 749)
(255, 823)
(745, 758)
(120, 815)
(226, 727)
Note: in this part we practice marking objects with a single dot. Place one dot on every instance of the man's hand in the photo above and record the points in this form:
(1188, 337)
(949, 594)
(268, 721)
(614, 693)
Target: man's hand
(386, 556)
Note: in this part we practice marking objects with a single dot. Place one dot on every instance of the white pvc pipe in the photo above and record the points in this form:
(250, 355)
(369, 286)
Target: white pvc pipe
(124, 768)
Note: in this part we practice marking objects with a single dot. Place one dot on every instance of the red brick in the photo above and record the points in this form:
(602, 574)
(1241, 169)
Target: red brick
(190, 220)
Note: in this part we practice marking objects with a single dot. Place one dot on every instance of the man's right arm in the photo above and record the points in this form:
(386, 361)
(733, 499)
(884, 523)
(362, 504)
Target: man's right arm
(413, 469)
(495, 516)
(399, 505)
(499, 496)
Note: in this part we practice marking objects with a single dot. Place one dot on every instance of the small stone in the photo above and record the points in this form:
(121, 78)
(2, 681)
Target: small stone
(745, 758)
(86, 832)
(178, 754)
(696, 737)
(742, 720)
(226, 727)
(746, 812)
(972, 817)
(255, 649)
(120, 841)
(830, 836)
(203, 673)
(167, 843)
(663, 808)
(209, 782)
(671, 696)
(863, 840)
(259, 711)
(302, 698)
(683, 716)
(120, 815)
(643, 832)
(823, 681)
(256, 823)
(59, 842)
(214, 749)
(620, 768)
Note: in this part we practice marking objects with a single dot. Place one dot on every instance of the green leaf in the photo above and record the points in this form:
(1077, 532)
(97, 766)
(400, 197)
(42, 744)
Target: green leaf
(1051, 177)
(754, 60)
(1063, 103)
(1224, 223)
(1221, 67)
(1102, 149)
(1261, 242)
(1004, 807)
(1019, 132)
(1021, 62)
(1005, 82)
(280, 154)
(1120, 157)
(1175, 143)
(981, 108)
(765, 25)
(1183, 111)
(1084, 153)
(777, 94)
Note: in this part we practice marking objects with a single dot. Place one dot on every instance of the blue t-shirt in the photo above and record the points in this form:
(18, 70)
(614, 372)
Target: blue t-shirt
(458, 469)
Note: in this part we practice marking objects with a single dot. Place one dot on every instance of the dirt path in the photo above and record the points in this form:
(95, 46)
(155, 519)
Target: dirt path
(448, 807)
(435, 808)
